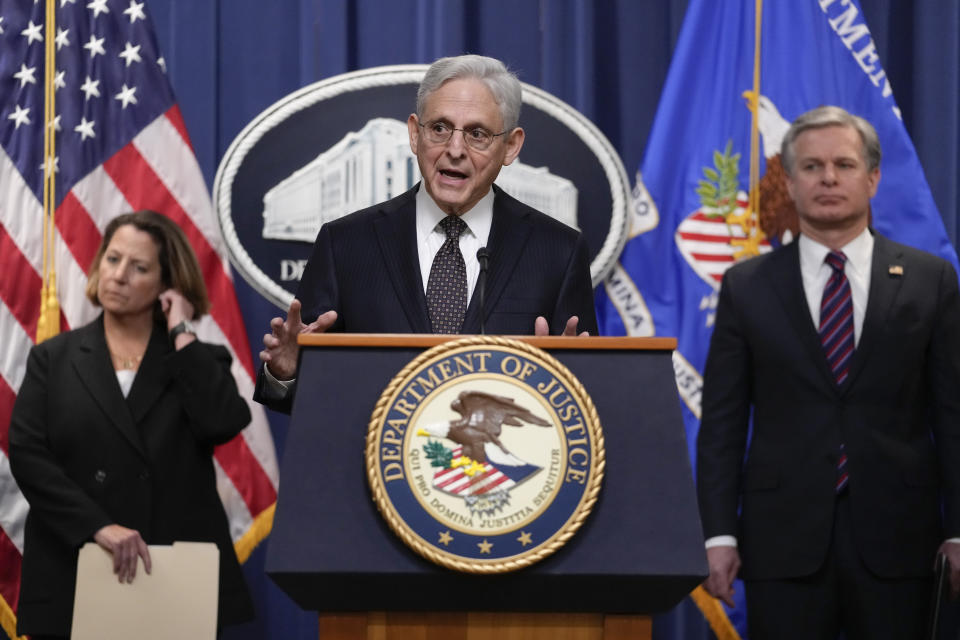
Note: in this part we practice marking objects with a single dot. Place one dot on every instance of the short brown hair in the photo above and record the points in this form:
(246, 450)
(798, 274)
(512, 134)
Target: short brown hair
(831, 116)
(179, 268)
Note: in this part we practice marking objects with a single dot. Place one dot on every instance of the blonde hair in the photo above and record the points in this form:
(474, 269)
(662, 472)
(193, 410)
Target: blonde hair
(178, 264)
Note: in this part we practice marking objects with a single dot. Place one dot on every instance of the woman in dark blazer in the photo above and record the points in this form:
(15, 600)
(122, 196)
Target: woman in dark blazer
(113, 430)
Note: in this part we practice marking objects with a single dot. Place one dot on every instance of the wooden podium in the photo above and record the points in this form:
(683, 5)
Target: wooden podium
(640, 551)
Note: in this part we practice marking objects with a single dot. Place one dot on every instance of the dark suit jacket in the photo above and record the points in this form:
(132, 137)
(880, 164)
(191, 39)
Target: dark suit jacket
(85, 457)
(898, 414)
(365, 266)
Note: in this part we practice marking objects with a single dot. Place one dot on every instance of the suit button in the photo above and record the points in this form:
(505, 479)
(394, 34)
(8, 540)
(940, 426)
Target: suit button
(144, 475)
(100, 475)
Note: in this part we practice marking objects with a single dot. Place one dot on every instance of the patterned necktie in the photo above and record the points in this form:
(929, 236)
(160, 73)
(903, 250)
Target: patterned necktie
(836, 319)
(447, 286)
(836, 336)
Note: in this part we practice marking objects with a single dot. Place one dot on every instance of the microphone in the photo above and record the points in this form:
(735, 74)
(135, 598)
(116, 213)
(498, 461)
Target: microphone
(483, 257)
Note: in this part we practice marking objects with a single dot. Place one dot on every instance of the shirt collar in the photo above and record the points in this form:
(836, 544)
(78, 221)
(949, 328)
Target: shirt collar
(478, 219)
(859, 252)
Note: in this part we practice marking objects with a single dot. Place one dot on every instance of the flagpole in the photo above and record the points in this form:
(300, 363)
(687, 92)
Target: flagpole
(48, 323)
(753, 189)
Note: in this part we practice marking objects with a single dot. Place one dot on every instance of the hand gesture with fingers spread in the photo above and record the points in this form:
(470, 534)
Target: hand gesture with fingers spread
(281, 348)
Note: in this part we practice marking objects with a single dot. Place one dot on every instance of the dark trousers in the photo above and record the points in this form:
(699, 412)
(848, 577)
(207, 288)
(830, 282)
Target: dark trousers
(842, 597)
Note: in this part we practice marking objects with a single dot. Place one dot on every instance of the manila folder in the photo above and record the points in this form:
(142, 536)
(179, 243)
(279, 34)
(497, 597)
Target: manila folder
(177, 600)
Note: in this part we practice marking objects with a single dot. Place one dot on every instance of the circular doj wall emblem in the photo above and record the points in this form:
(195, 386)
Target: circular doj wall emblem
(485, 455)
(342, 144)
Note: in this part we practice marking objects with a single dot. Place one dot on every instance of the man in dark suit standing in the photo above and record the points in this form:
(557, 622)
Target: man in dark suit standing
(412, 264)
(844, 350)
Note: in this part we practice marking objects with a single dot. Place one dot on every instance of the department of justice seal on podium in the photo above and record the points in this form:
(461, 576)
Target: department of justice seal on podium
(485, 455)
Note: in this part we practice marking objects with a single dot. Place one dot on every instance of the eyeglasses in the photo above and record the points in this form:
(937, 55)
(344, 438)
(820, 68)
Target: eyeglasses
(476, 138)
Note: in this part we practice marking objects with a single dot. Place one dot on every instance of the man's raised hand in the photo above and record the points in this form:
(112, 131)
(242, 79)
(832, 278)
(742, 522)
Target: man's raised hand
(281, 348)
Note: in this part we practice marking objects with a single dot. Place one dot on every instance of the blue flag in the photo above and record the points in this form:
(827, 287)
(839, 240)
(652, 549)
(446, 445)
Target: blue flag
(692, 217)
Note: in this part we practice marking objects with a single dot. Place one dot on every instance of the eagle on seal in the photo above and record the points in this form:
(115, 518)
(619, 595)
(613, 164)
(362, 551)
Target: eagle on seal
(477, 431)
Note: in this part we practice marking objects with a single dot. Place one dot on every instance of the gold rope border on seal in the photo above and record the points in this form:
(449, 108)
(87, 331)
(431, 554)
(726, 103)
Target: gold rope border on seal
(560, 538)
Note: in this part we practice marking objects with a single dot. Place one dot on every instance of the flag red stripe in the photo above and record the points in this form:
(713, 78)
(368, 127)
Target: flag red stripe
(20, 285)
(704, 237)
(709, 217)
(483, 476)
(9, 570)
(143, 189)
(710, 257)
(493, 485)
(709, 237)
(7, 396)
(244, 470)
(457, 475)
(715, 217)
(78, 231)
(176, 119)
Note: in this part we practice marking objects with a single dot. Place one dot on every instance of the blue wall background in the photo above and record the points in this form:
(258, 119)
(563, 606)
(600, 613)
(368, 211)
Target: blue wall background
(230, 59)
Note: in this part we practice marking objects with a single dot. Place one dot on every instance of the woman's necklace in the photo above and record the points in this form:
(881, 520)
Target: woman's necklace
(126, 362)
(130, 347)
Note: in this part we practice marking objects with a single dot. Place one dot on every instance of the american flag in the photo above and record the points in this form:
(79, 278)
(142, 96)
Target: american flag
(121, 145)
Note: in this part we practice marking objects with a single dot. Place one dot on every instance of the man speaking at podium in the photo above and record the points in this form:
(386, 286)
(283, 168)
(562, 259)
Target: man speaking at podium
(413, 264)
(844, 348)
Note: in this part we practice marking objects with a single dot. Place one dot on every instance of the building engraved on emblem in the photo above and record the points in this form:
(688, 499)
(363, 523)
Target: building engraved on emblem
(375, 164)
(485, 455)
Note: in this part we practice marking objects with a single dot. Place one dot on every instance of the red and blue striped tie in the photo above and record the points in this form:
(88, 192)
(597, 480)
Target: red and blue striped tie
(836, 336)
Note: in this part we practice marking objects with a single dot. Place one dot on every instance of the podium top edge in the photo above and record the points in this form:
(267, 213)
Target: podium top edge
(404, 340)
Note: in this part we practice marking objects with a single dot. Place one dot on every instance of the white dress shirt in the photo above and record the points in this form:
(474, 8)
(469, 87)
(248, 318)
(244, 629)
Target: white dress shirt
(125, 378)
(815, 273)
(430, 236)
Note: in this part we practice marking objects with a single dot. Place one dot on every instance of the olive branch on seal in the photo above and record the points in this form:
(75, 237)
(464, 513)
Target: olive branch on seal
(438, 454)
(719, 191)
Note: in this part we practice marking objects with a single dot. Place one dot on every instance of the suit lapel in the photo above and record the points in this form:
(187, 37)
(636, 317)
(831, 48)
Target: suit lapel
(397, 235)
(95, 371)
(152, 379)
(788, 283)
(509, 231)
(883, 292)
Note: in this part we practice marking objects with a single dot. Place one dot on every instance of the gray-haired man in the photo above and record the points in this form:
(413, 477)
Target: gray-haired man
(411, 265)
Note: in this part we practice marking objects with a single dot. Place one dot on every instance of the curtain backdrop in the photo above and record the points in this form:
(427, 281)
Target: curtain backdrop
(228, 60)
